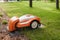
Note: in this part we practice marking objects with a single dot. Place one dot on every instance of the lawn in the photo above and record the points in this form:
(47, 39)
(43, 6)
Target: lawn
(49, 15)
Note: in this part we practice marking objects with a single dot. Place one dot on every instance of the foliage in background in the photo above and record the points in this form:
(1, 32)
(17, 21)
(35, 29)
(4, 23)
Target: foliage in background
(4, 22)
(32, 0)
(1, 15)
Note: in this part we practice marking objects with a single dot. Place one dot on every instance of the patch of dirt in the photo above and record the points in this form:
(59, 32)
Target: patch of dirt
(4, 34)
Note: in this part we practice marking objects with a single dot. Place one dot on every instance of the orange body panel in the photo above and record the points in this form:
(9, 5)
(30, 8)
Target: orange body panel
(27, 23)
(12, 23)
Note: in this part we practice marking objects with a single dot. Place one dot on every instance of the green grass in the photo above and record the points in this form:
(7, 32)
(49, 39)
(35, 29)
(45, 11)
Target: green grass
(49, 15)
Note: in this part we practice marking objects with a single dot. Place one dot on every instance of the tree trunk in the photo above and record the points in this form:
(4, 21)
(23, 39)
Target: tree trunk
(57, 4)
(18, 0)
(30, 3)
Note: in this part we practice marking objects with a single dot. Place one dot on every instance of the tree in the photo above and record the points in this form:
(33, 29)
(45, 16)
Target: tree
(30, 3)
(57, 4)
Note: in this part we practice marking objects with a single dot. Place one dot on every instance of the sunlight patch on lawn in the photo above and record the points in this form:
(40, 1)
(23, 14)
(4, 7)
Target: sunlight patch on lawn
(46, 8)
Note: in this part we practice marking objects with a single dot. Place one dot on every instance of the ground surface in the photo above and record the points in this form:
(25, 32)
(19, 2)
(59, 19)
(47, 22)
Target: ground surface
(50, 17)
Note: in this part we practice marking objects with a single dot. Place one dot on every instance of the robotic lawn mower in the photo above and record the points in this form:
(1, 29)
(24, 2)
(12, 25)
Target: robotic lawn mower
(24, 21)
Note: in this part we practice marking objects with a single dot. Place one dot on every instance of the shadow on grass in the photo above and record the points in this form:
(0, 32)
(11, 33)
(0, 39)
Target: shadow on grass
(22, 30)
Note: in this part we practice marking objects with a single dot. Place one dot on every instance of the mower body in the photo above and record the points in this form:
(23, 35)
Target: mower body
(23, 21)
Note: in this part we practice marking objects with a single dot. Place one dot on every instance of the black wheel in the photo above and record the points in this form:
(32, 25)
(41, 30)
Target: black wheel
(34, 24)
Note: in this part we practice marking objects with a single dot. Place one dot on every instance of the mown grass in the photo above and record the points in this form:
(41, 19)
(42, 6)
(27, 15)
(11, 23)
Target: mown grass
(49, 15)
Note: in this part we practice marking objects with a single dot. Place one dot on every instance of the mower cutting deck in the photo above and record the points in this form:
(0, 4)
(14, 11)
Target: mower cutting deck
(24, 21)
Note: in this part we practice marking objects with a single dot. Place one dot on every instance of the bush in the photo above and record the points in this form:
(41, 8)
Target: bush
(4, 22)
(1, 15)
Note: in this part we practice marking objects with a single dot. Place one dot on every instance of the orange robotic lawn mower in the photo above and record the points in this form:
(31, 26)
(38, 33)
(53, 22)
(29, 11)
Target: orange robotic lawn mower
(24, 21)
